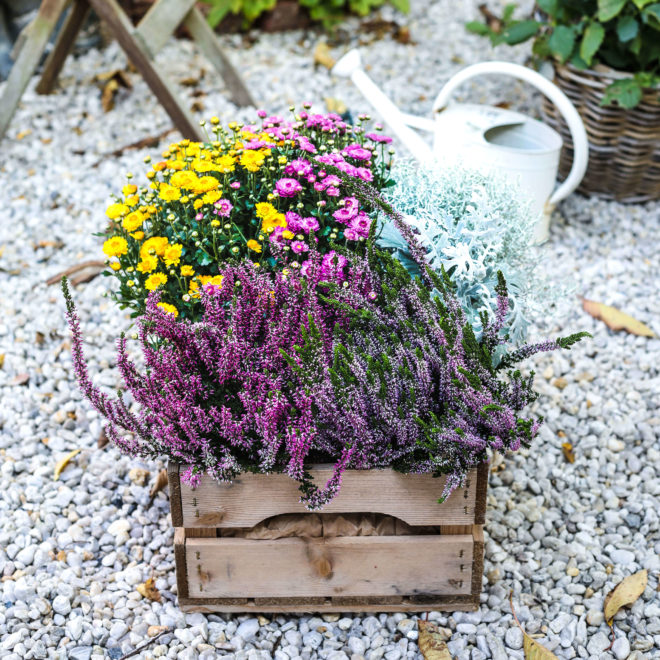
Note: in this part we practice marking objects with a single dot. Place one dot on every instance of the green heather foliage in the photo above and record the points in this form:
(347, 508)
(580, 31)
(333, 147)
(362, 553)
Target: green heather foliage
(473, 226)
(327, 12)
(621, 34)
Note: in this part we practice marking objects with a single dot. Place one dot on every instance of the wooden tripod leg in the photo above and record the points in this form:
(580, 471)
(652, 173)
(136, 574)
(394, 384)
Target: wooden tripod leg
(122, 29)
(208, 42)
(28, 59)
(65, 40)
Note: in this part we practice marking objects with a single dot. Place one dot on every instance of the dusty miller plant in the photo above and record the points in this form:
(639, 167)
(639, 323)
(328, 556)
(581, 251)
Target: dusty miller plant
(473, 225)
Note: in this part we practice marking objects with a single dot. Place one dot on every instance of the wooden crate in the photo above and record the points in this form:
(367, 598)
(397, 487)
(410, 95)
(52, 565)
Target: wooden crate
(437, 567)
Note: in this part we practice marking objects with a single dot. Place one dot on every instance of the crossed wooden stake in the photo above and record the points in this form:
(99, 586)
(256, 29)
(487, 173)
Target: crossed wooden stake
(140, 43)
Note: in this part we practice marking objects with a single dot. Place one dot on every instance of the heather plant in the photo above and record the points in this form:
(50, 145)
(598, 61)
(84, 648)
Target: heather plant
(259, 192)
(473, 225)
(353, 363)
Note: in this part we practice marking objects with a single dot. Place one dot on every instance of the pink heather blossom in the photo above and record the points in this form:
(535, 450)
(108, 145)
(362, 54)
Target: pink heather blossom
(333, 265)
(299, 247)
(223, 207)
(293, 221)
(287, 187)
(357, 151)
(309, 224)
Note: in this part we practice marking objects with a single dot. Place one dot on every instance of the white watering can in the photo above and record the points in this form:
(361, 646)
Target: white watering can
(487, 138)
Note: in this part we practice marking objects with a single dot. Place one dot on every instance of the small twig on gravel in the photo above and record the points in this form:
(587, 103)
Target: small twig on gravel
(150, 141)
(144, 646)
(74, 269)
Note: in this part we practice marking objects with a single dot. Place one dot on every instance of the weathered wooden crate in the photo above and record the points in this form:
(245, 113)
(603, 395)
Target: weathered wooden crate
(432, 560)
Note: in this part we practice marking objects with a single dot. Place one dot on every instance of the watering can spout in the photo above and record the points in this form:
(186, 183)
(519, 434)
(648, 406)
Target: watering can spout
(350, 66)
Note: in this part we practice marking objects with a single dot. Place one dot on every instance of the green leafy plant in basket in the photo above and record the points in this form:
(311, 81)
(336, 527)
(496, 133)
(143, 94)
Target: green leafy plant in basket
(621, 34)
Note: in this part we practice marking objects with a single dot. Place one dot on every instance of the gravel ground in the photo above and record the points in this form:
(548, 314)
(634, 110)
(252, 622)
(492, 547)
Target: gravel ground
(73, 551)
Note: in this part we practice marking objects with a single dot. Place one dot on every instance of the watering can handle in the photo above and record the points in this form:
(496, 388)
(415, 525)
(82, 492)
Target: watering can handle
(567, 109)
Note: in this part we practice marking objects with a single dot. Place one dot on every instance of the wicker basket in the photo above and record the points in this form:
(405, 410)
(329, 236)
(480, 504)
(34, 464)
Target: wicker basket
(624, 145)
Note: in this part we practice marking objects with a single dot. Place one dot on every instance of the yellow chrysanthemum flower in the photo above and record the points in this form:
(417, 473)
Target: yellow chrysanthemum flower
(193, 289)
(253, 245)
(115, 246)
(154, 281)
(197, 204)
(169, 193)
(277, 220)
(148, 264)
(132, 221)
(172, 255)
(200, 165)
(154, 245)
(225, 164)
(138, 235)
(176, 164)
(205, 184)
(187, 271)
(115, 265)
(133, 200)
(159, 166)
(252, 160)
(184, 179)
(288, 234)
(170, 309)
(115, 211)
(129, 189)
(211, 197)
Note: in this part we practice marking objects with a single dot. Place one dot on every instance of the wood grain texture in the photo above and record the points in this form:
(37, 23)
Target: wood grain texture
(63, 45)
(340, 567)
(180, 562)
(251, 498)
(174, 484)
(160, 22)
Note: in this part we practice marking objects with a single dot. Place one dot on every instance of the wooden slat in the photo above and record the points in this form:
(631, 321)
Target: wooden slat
(251, 498)
(160, 22)
(440, 604)
(207, 40)
(174, 485)
(342, 566)
(119, 25)
(37, 35)
(63, 45)
(180, 562)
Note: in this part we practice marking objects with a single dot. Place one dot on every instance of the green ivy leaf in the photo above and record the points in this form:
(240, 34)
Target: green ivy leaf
(562, 42)
(627, 29)
(627, 93)
(519, 32)
(548, 6)
(640, 4)
(608, 9)
(477, 27)
(591, 41)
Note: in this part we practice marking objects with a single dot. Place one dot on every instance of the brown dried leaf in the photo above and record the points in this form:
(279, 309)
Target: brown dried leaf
(61, 464)
(138, 476)
(322, 55)
(625, 593)
(2, 360)
(20, 379)
(533, 650)
(23, 134)
(102, 439)
(148, 590)
(569, 454)
(152, 631)
(108, 95)
(159, 484)
(615, 319)
(431, 642)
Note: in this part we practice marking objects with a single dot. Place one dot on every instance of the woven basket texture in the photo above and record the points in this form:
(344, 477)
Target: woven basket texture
(624, 145)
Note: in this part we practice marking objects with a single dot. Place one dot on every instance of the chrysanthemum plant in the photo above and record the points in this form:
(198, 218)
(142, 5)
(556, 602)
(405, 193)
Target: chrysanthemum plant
(257, 192)
(349, 360)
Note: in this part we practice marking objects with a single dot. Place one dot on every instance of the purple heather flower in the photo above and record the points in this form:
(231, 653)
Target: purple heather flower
(357, 151)
(299, 247)
(223, 207)
(309, 224)
(287, 187)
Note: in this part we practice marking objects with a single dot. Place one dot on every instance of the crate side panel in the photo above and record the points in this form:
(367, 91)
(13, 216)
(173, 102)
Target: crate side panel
(251, 498)
(336, 567)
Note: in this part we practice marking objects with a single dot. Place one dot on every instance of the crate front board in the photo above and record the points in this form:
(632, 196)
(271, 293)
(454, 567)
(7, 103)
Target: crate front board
(440, 568)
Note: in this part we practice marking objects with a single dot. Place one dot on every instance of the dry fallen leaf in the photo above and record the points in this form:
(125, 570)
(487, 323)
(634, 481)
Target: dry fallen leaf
(569, 454)
(102, 439)
(22, 134)
(431, 642)
(148, 590)
(138, 476)
(152, 631)
(533, 650)
(625, 593)
(20, 379)
(322, 55)
(615, 319)
(2, 360)
(61, 464)
(159, 484)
